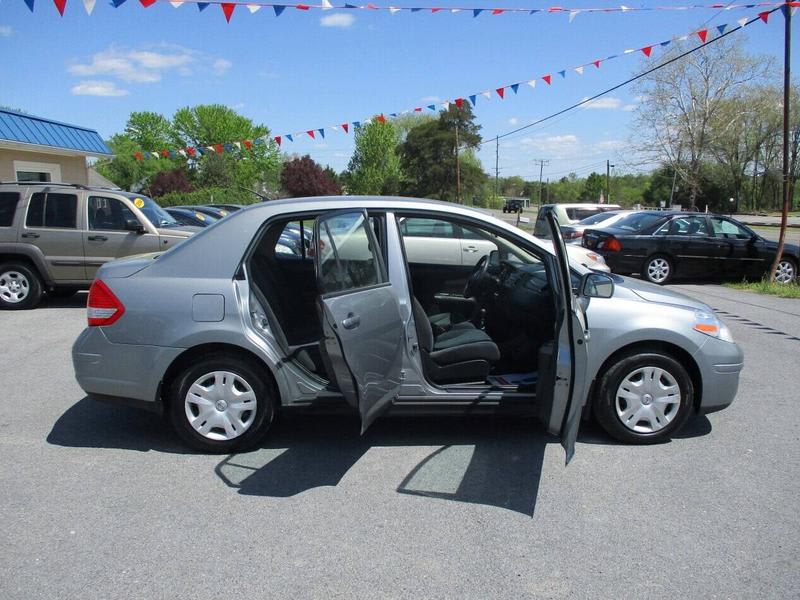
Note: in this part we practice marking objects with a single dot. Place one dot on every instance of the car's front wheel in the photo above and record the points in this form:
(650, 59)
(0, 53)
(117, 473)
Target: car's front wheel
(221, 404)
(644, 398)
(658, 269)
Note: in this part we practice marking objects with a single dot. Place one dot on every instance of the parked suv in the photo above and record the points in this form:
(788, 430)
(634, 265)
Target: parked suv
(54, 236)
(513, 205)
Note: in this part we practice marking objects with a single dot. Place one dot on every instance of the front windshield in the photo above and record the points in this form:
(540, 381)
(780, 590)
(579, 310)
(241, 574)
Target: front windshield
(154, 213)
(640, 221)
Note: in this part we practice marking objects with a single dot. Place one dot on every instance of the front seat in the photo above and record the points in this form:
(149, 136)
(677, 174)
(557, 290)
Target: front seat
(457, 355)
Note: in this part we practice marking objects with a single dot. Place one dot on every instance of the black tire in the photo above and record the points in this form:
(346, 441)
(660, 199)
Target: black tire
(246, 370)
(63, 292)
(15, 279)
(658, 269)
(606, 402)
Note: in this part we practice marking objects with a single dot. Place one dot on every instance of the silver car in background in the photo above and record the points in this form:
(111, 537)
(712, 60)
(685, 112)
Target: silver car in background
(226, 329)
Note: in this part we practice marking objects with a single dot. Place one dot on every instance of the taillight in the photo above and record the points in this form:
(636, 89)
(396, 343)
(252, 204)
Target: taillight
(572, 235)
(103, 307)
(610, 245)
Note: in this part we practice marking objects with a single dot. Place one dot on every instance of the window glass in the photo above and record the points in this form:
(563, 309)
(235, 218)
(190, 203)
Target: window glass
(8, 206)
(729, 229)
(435, 228)
(295, 240)
(61, 210)
(641, 221)
(154, 213)
(577, 214)
(35, 176)
(109, 214)
(347, 258)
(598, 218)
(35, 217)
(696, 226)
(468, 233)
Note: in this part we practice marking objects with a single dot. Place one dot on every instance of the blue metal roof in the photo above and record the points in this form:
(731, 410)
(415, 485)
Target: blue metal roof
(27, 129)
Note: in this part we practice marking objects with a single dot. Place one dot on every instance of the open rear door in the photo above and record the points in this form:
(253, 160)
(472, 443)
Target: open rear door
(567, 379)
(363, 330)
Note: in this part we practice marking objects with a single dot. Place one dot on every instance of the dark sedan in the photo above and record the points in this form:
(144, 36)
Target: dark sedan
(190, 216)
(661, 245)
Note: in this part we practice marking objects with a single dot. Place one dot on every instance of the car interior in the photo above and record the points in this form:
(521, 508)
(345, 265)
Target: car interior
(488, 321)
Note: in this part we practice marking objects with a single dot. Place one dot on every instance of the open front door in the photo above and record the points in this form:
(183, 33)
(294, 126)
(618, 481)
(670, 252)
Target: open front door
(363, 330)
(567, 377)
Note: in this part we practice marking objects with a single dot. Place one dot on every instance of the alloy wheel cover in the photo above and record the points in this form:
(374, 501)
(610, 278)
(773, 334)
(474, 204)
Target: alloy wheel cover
(14, 287)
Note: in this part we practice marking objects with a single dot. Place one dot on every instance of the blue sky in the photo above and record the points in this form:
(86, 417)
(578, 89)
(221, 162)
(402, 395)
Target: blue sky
(311, 69)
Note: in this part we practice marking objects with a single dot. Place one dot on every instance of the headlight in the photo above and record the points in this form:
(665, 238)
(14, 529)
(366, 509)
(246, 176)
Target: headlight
(596, 258)
(709, 324)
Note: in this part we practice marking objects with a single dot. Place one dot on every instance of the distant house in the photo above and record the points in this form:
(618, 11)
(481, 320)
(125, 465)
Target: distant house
(37, 149)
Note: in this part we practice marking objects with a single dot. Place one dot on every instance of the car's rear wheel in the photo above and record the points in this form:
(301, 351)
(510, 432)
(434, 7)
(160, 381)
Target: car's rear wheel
(644, 398)
(221, 404)
(20, 287)
(658, 269)
(786, 271)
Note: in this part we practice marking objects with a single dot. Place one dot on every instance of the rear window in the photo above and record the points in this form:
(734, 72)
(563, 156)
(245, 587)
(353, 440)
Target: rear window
(601, 216)
(578, 214)
(640, 221)
(52, 210)
(8, 206)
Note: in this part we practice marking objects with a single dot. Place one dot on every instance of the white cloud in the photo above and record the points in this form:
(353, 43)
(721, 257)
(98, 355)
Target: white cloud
(147, 65)
(604, 103)
(431, 99)
(98, 88)
(337, 20)
(513, 121)
(630, 107)
(6, 31)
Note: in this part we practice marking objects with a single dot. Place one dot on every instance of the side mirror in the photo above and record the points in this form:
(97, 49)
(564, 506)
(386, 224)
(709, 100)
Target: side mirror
(597, 285)
(134, 225)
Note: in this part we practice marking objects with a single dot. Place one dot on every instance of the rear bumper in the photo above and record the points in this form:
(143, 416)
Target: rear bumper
(720, 365)
(130, 374)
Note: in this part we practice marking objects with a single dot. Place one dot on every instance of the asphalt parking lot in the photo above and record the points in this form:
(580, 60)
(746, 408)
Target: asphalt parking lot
(100, 501)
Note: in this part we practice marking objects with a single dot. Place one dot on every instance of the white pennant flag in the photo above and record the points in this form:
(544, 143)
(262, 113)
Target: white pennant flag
(793, 10)
(238, 145)
(742, 22)
(683, 38)
(532, 83)
(572, 15)
(155, 154)
(89, 6)
(487, 95)
(394, 9)
(624, 8)
(182, 153)
(334, 127)
(176, 3)
(253, 8)
(210, 148)
(628, 51)
(455, 10)
(446, 104)
(326, 5)
(579, 70)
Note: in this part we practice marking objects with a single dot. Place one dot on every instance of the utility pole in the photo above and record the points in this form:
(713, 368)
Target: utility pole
(542, 162)
(548, 190)
(608, 181)
(496, 166)
(787, 55)
(458, 170)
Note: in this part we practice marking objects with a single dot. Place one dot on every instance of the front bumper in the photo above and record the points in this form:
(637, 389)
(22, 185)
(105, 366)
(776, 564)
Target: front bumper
(127, 373)
(720, 364)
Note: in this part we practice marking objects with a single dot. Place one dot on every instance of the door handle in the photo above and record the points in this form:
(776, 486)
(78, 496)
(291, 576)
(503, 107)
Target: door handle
(351, 322)
(470, 249)
(97, 238)
(30, 235)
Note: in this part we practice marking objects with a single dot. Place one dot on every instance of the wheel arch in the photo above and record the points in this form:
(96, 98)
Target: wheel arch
(673, 350)
(194, 353)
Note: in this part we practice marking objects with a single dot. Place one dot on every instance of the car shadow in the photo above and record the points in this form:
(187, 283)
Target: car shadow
(76, 301)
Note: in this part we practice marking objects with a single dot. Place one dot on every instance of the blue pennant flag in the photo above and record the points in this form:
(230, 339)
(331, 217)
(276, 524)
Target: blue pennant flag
(289, 137)
(201, 6)
(473, 98)
(322, 133)
(278, 9)
(172, 154)
(356, 124)
(200, 150)
(721, 28)
(259, 142)
(228, 147)
(350, 6)
(476, 12)
(563, 74)
(515, 87)
(534, 11)
(416, 9)
(612, 56)
(393, 115)
(667, 43)
(432, 106)
(30, 4)
(785, 10)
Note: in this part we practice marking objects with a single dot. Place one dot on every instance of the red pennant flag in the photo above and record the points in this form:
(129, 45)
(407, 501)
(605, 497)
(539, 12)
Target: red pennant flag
(278, 140)
(647, 50)
(165, 153)
(459, 102)
(380, 119)
(227, 8)
(418, 109)
(498, 11)
(147, 3)
(764, 16)
(346, 127)
(302, 7)
(138, 156)
(554, 9)
(372, 6)
(62, 4)
(501, 92)
(190, 151)
(547, 79)
(702, 34)
(249, 144)
(311, 134)
(596, 63)
(218, 148)
(435, 10)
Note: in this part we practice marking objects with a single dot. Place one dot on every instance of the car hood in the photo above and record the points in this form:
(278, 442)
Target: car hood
(654, 293)
(184, 231)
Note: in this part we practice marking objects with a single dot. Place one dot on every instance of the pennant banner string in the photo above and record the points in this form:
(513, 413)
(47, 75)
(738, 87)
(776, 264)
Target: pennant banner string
(317, 133)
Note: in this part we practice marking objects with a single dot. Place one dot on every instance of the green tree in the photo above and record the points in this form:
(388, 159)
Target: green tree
(151, 131)
(593, 186)
(375, 167)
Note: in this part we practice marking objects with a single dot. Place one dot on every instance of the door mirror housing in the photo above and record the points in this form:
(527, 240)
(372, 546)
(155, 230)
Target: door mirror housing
(597, 285)
(134, 225)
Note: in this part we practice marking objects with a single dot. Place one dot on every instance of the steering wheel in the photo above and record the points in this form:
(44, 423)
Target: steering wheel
(476, 280)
